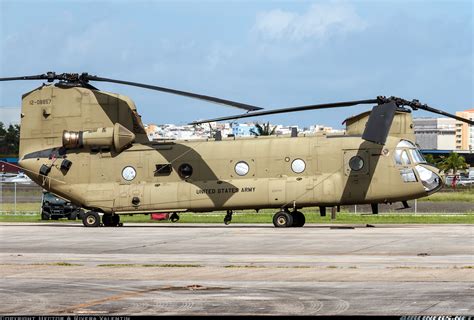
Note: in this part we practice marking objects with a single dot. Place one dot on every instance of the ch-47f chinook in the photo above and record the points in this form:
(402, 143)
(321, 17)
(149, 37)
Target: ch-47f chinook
(91, 148)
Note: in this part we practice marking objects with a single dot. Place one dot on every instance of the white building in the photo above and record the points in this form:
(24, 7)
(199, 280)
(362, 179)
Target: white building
(435, 133)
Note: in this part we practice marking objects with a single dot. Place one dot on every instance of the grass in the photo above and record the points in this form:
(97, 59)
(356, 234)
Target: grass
(266, 216)
(132, 265)
(455, 196)
(60, 264)
(34, 207)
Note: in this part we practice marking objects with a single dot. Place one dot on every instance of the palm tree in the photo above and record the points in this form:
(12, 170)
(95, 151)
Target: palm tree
(431, 160)
(263, 130)
(453, 163)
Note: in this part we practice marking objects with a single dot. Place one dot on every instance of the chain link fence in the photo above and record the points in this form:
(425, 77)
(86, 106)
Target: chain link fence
(20, 198)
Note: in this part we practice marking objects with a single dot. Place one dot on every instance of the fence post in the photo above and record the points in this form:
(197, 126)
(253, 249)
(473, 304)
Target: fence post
(15, 196)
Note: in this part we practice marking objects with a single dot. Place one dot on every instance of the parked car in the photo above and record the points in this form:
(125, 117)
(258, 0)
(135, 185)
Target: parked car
(460, 181)
(465, 182)
(54, 207)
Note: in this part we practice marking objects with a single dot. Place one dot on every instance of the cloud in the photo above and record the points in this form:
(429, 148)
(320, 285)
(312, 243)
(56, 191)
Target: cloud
(218, 54)
(318, 22)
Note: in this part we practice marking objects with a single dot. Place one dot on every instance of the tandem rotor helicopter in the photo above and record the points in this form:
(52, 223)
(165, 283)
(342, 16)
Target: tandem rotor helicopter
(90, 147)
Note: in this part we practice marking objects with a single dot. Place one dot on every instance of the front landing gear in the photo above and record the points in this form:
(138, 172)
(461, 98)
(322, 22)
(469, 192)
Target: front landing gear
(286, 219)
(111, 220)
(228, 217)
(174, 217)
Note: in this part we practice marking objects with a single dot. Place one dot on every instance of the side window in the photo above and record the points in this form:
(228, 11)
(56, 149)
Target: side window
(398, 157)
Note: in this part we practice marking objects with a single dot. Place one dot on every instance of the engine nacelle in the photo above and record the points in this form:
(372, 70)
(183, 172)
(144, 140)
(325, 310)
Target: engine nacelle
(117, 136)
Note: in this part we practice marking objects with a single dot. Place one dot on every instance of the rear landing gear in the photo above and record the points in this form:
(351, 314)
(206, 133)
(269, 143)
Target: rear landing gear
(228, 217)
(91, 219)
(111, 220)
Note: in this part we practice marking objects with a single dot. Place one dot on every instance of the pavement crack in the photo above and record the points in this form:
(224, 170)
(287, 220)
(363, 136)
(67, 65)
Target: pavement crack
(375, 245)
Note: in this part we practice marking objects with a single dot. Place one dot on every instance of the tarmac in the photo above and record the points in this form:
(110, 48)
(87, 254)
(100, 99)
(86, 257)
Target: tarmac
(212, 269)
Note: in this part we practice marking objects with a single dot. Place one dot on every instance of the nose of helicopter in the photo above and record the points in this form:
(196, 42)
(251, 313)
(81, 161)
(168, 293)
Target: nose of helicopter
(430, 177)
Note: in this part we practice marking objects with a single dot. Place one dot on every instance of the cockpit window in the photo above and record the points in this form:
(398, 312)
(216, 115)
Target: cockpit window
(406, 153)
(405, 158)
(406, 144)
(417, 156)
(398, 157)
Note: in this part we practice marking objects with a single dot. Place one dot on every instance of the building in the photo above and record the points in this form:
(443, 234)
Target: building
(435, 133)
(464, 131)
(243, 129)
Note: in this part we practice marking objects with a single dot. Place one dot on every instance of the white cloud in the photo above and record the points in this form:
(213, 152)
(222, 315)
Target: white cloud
(318, 22)
(218, 54)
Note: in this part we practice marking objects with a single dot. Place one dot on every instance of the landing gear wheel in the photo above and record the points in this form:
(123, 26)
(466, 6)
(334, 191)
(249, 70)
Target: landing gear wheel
(298, 219)
(228, 217)
(174, 217)
(109, 220)
(91, 219)
(116, 220)
(282, 219)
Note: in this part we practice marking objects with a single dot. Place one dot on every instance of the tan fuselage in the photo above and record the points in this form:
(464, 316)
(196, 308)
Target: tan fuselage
(96, 178)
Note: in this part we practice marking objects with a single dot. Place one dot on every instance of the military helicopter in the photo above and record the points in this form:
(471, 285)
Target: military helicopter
(90, 147)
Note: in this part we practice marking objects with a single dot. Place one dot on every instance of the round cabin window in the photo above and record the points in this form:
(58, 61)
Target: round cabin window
(298, 165)
(185, 170)
(129, 173)
(241, 168)
(356, 163)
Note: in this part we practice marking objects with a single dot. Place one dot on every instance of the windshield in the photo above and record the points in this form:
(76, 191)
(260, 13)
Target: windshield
(407, 153)
(417, 156)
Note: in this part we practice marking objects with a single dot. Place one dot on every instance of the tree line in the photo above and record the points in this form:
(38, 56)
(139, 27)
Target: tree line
(9, 140)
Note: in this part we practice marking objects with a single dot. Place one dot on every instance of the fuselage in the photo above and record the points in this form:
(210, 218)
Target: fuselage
(91, 148)
(251, 173)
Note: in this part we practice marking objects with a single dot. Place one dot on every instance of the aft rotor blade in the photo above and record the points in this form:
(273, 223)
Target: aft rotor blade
(244, 106)
(291, 109)
(36, 77)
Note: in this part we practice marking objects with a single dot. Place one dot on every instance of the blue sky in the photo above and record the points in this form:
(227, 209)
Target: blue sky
(267, 53)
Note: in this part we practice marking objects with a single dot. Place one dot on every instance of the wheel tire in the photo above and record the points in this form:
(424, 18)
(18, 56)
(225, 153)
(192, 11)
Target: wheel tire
(298, 219)
(282, 219)
(115, 220)
(107, 220)
(174, 217)
(44, 215)
(91, 219)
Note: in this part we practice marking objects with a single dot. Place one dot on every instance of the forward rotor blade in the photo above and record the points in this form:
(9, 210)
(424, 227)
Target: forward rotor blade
(379, 123)
(449, 115)
(178, 92)
(291, 109)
